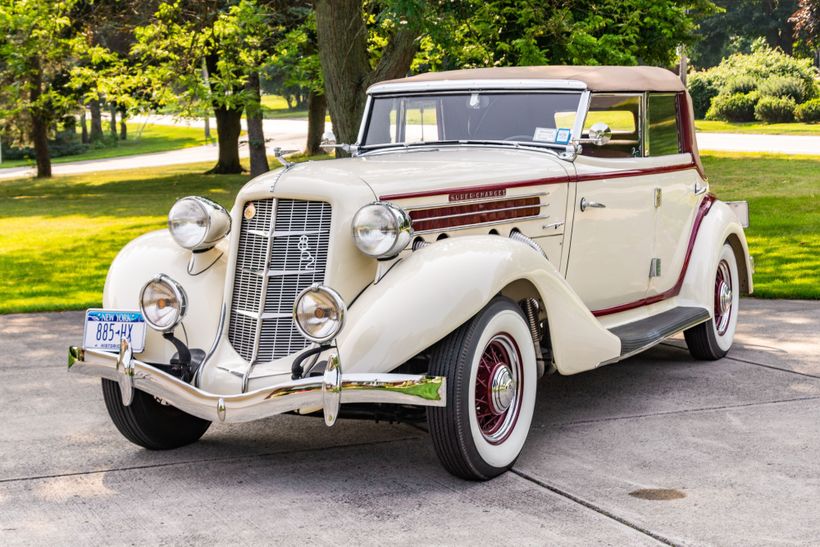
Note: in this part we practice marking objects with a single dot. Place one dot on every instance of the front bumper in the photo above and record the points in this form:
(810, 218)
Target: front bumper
(327, 391)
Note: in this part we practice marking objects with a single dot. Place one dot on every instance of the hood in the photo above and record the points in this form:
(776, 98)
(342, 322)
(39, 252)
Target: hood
(424, 170)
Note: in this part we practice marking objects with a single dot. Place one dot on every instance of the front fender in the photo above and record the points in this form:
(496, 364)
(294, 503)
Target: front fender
(436, 289)
(154, 253)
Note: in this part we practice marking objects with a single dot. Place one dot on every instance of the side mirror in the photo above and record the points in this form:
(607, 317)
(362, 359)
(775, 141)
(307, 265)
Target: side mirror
(600, 134)
(328, 143)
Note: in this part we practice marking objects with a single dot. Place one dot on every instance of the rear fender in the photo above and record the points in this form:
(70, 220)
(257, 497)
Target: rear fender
(436, 289)
(155, 253)
(719, 226)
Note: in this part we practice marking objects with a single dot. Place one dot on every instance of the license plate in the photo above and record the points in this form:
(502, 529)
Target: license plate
(104, 329)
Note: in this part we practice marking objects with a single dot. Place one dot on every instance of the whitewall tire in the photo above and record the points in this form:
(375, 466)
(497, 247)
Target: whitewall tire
(491, 372)
(713, 339)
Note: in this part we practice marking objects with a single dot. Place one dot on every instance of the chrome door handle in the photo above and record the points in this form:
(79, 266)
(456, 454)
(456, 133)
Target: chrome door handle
(700, 189)
(587, 203)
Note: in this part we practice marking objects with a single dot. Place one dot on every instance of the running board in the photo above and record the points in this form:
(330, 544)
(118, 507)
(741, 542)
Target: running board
(644, 334)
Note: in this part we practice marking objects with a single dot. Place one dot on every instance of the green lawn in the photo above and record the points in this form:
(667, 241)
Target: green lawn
(784, 204)
(153, 138)
(275, 107)
(796, 128)
(58, 236)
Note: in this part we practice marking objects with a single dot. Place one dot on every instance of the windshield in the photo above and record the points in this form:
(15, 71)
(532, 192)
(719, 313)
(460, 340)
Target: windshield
(534, 118)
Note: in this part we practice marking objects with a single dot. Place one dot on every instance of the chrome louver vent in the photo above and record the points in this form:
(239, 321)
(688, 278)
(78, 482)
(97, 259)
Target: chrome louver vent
(282, 250)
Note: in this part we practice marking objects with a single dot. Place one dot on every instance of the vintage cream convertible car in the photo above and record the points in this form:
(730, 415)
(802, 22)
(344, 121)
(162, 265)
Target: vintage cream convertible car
(492, 226)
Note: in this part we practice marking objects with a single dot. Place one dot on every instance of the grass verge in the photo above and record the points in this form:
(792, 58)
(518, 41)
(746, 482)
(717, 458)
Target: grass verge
(58, 236)
(147, 140)
(784, 203)
(275, 107)
(707, 126)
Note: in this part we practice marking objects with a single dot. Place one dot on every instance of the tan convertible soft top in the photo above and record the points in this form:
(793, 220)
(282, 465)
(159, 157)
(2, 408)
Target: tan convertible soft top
(596, 78)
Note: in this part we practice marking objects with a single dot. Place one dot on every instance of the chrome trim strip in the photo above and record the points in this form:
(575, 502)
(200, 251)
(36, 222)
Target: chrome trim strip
(219, 328)
(491, 199)
(478, 84)
(263, 315)
(481, 224)
(286, 233)
(504, 209)
(324, 392)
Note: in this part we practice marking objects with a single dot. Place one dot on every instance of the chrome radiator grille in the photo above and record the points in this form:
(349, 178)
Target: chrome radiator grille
(282, 250)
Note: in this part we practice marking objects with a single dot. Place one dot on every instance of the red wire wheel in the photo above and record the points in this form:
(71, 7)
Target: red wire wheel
(723, 298)
(498, 388)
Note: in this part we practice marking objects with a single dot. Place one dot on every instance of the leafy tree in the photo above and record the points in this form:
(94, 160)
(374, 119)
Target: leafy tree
(361, 43)
(806, 22)
(231, 39)
(738, 24)
(37, 49)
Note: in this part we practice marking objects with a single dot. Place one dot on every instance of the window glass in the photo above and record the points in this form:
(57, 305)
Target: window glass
(485, 116)
(622, 113)
(662, 136)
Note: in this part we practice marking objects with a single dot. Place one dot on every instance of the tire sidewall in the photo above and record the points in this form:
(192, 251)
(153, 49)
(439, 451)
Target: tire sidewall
(501, 316)
(724, 341)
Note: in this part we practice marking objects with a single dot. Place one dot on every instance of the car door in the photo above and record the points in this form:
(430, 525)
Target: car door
(678, 191)
(613, 223)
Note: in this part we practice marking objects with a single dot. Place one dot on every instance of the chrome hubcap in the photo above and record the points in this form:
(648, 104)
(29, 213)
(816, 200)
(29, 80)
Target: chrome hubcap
(502, 389)
(724, 298)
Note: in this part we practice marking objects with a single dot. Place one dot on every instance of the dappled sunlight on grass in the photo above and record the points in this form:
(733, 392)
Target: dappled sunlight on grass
(58, 236)
(57, 242)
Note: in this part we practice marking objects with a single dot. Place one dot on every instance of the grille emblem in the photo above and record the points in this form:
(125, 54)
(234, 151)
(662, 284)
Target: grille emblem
(304, 252)
(250, 211)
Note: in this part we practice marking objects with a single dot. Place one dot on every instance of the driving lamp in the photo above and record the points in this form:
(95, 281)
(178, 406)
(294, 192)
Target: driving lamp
(382, 230)
(163, 303)
(319, 313)
(197, 223)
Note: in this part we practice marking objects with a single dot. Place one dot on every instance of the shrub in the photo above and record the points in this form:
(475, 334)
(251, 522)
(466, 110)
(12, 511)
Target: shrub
(739, 107)
(740, 84)
(740, 73)
(702, 90)
(808, 112)
(787, 86)
(775, 109)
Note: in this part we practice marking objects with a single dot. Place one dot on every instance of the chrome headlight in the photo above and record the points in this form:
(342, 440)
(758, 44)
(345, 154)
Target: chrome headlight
(197, 223)
(382, 230)
(163, 303)
(319, 313)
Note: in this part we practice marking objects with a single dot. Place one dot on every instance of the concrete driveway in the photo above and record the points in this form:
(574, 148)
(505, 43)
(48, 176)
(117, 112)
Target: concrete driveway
(727, 453)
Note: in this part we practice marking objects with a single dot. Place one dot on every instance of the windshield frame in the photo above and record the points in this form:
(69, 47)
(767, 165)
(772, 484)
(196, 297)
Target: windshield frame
(567, 150)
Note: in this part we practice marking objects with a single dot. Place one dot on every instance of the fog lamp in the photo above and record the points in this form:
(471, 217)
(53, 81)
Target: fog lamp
(319, 313)
(163, 303)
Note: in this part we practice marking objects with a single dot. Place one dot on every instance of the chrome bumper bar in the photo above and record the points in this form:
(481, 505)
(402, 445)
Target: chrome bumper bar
(327, 391)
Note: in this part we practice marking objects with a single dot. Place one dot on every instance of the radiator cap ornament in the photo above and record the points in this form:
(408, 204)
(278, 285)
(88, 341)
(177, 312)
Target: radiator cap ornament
(250, 211)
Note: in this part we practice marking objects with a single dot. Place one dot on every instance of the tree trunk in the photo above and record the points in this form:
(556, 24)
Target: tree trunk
(342, 37)
(256, 130)
(39, 137)
(96, 120)
(317, 109)
(83, 127)
(112, 123)
(123, 125)
(39, 126)
(228, 128)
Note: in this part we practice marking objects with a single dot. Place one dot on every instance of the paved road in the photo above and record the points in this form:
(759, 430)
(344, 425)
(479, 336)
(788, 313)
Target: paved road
(739, 439)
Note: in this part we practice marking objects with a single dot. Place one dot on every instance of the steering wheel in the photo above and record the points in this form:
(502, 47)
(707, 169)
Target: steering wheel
(518, 138)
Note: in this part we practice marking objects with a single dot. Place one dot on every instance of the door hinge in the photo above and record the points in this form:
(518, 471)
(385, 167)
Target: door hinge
(655, 267)
(658, 197)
